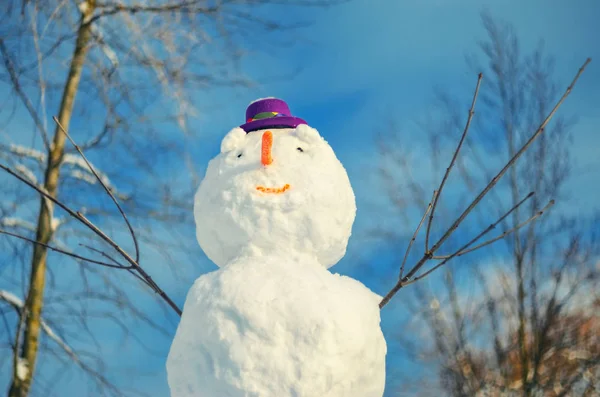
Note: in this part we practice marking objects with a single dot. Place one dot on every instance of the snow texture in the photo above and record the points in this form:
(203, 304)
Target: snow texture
(314, 216)
(278, 326)
(22, 368)
(273, 321)
(23, 151)
(26, 173)
(17, 223)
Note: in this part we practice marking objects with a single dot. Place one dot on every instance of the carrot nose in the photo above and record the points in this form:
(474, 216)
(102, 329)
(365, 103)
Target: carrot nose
(267, 144)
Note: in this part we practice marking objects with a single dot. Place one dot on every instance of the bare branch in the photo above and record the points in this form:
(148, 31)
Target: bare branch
(454, 156)
(129, 268)
(412, 240)
(61, 251)
(104, 254)
(112, 8)
(506, 233)
(490, 228)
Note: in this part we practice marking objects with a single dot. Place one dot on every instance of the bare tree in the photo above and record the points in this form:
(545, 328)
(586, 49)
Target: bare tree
(529, 326)
(134, 67)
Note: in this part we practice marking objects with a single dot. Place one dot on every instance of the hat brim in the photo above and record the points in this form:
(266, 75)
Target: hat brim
(273, 122)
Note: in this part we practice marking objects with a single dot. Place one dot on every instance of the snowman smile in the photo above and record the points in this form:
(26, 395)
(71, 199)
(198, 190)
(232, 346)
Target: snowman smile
(273, 190)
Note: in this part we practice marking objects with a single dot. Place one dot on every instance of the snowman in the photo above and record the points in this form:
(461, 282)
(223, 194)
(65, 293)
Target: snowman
(274, 212)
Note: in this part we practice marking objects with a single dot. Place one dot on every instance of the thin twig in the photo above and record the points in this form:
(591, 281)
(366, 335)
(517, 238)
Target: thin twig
(463, 250)
(506, 233)
(187, 6)
(61, 251)
(113, 198)
(83, 219)
(458, 147)
(488, 229)
(104, 254)
(414, 237)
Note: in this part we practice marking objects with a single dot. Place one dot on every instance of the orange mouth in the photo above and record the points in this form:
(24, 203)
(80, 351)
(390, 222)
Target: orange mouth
(274, 190)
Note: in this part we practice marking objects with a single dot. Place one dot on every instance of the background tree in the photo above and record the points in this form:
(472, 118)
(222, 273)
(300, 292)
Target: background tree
(118, 75)
(517, 319)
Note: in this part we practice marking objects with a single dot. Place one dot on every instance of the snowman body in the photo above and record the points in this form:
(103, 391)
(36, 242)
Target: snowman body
(274, 211)
(278, 326)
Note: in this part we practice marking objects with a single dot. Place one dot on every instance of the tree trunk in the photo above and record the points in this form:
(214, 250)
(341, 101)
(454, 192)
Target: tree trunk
(26, 354)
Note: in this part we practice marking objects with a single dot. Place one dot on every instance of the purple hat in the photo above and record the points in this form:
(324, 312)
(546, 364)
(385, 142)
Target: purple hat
(269, 113)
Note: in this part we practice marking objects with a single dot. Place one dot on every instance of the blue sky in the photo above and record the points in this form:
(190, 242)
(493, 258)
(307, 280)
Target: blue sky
(363, 64)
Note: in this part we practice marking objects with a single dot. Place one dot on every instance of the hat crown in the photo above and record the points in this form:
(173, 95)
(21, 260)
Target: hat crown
(267, 105)
(269, 113)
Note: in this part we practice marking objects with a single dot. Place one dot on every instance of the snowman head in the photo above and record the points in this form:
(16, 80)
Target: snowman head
(275, 191)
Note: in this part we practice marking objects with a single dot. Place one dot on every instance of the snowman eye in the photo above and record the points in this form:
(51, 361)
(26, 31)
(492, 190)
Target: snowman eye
(300, 149)
(239, 155)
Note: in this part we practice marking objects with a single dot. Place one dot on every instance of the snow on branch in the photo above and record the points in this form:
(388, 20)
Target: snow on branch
(26, 173)
(25, 152)
(17, 223)
(80, 172)
(17, 303)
